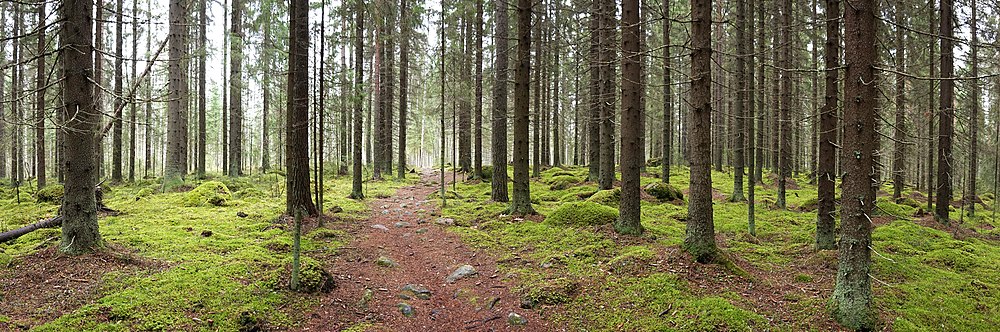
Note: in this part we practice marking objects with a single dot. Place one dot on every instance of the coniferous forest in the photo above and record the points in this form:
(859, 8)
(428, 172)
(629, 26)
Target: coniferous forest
(514, 165)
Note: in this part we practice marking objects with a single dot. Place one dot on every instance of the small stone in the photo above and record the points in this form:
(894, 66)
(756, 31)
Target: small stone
(444, 221)
(241, 214)
(404, 205)
(384, 207)
(367, 297)
(493, 303)
(410, 291)
(462, 272)
(206, 233)
(380, 227)
(422, 231)
(336, 209)
(405, 309)
(385, 211)
(401, 224)
(385, 262)
(516, 320)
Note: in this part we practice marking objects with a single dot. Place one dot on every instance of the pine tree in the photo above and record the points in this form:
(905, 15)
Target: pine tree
(498, 149)
(521, 203)
(700, 232)
(297, 112)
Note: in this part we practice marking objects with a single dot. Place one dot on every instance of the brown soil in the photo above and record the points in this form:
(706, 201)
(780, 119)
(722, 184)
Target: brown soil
(425, 258)
(41, 287)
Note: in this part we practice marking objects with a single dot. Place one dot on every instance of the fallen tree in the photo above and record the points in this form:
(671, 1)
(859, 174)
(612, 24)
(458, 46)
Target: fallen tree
(16, 233)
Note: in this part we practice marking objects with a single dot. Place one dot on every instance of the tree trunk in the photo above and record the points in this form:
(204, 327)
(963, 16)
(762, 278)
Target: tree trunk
(202, 93)
(594, 124)
(79, 228)
(899, 135)
(498, 141)
(225, 88)
(742, 85)
(700, 232)
(852, 295)
(947, 130)
(265, 140)
(297, 114)
(750, 119)
(477, 158)
(607, 94)
(176, 158)
(521, 204)
(40, 99)
(826, 194)
(359, 55)
(629, 219)
(404, 62)
(785, 150)
(932, 114)
(3, 115)
(668, 98)
(971, 199)
(133, 107)
(536, 139)
(236, 92)
(465, 102)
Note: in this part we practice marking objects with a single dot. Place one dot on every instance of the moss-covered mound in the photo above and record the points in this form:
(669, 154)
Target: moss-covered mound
(582, 214)
(663, 191)
(53, 193)
(561, 182)
(810, 204)
(209, 193)
(908, 201)
(633, 260)
(548, 292)
(654, 162)
(609, 197)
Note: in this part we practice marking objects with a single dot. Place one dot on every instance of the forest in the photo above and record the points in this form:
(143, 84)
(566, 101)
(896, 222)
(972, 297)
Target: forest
(522, 165)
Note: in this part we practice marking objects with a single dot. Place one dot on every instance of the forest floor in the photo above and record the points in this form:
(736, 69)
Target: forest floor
(215, 255)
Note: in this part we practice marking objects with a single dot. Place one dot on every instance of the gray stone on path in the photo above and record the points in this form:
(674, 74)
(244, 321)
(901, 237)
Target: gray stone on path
(461, 272)
(401, 224)
(411, 291)
(380, 227)
(444, 221)
(385, 262)
(422, 231)
(516, 320)
(405, 309)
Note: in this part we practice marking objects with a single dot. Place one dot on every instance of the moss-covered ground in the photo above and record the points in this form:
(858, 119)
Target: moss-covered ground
(925, 279)
(223, 243)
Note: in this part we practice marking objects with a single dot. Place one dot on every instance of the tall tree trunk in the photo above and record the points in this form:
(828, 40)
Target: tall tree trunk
(947, 130)
(465, 102)
(267, 48)
(148, 116)
(761, 142)
(629, 219)
(133, 109)
(785, 150)
(176, 158)
(607, 94)
(899, 135)
(225, 88)
(742, 85)
(79, 210)
(825, 223)
(40, 98)
(477, 158)
(404, 63)
(536, 139)
(521, 203)
(932, 113)
(700, 232)
(359, 62)
(3, 114)
(236, 92)
(971, 199)
(498, 140)
(750, 119)
(852, 295)
(594, 123)
(297, 114)
(668, 98)
(202, 93)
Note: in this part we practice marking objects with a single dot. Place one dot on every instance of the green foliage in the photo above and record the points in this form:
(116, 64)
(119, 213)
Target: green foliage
(582, 214)
(609, 197)
(50, 194)
(211, 193)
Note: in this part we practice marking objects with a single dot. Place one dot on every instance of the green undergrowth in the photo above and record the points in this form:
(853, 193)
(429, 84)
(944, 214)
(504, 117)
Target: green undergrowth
(224, 253)
(924, 279)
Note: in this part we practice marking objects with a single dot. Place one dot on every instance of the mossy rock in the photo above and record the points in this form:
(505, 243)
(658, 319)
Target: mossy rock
(211, 193)
(908, 201)
(582, 214)
(50, 194)
(562, 182)
(809, 205)
(953, 259)
(885, 207)
(313, 278)
(634, 260)
(654, 162)
(664, 192)
(144, 192)
(237, 184)
(563, 173)
(250, 192)
(548, 292)
(609, 197)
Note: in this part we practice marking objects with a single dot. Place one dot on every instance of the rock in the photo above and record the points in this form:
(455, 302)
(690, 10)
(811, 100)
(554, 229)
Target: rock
(401, 224)
(206, 233)
(422, 231)
(366, 298)
(405, 309)
(404, 205)
(241, 214)
(385, 211)
(461, 272)
(516, 320)
(380, 227)
(336, 209)
(444, 221)
(385, 262)
(410, 291)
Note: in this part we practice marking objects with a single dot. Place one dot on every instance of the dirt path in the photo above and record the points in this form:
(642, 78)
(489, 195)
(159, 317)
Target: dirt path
(405, 229)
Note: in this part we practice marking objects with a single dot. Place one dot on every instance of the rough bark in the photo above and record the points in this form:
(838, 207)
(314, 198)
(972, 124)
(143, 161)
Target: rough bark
(970, 199)
(133, 110)
(629, 218)
(785, 121)
(40, 98)
(594, 121)
(852, 295)
(699, 239)
(477, 158)
(404, 63)
(668, 98)
(899, 134)
(297, 112)
(607, 94)
(498, 140)
(750, 120)
(176, 130)
(521, 203)
(741, 99)
(202, 92)
(947, 109)
(79, 210)
(825, 223)
(359, 55)
(235, 145)
(932, 113)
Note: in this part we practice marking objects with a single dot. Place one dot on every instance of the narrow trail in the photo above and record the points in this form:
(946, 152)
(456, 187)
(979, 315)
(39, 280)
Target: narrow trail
(407, 229)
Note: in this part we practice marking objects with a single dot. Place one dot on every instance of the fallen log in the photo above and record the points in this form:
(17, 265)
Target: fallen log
(16, 233)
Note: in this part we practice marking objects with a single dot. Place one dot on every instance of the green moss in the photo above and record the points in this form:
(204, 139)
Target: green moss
(609, 197)
(633, 260)
(885, 207)
(907, 201)
(208, 194)
(251, 192)
(582, 214)
(663, 191)
(953, 259)
(50, 194)
(548, 292)
(144, 192)
(562, 182)
(809, 204)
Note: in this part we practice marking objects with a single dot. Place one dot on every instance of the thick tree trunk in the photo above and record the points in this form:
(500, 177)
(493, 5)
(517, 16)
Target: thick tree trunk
(668, 98)
(404, 63)
(852, 295)
(521, 203)
(785, 121)
(629, 219)
(359, 54)
(751, 116)
(176, 131)
(477, 158)
(700, 232)
(202, 93)
(499, 116)
(899, 134)
(947, 130)
(594, 123)
(607, 94)
(79, 228)
(742, 85)
(931, 106)
(40, 98)
(235, 145)
(970, 199)
(825, 223)
(297, 114)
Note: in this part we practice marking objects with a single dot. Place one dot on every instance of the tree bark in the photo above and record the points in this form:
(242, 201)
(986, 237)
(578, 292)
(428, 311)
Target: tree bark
(404, 63)
(852, 295)
(297, 114)
(750, 119)
(202, 92)
(947, 130)
(498, 141)
(40, 99)
(668, 98)
(176, 130)
(785, 121)
(971, 199)
(235, 145)
(629, 218)
(700, 231)
(521, 204)
(359, 55)
(899, 134)
(594, 123)
(826, 193)
(607, 94)
(742, 85)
